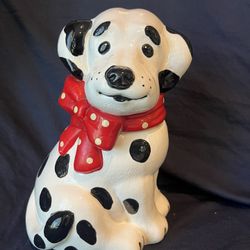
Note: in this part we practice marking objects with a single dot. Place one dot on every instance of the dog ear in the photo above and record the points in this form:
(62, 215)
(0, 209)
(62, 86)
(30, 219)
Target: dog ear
(70, 46)
(179, 58)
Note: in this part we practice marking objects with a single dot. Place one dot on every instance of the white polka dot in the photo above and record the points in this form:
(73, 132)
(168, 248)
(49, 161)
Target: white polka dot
(79, 141)
(98, 141)
(144, 125)
(93, 116)
(63, 95)
(75, 109)
(105, 123)
(61, 144)
(89, 160)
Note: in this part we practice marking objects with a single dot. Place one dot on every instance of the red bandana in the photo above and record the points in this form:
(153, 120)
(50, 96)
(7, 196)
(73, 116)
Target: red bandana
(96, 130)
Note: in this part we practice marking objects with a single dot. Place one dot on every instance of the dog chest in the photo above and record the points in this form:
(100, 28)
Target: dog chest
(136, 153)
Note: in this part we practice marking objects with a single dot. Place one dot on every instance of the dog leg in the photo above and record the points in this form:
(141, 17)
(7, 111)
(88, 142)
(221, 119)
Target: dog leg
(137, 196)
(161, 201)
(91, 226)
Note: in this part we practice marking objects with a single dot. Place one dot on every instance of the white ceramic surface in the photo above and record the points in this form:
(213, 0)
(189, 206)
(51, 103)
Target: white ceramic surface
(118, 207)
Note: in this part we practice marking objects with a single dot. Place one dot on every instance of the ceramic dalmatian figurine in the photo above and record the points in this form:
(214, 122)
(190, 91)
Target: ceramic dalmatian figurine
(97, 188)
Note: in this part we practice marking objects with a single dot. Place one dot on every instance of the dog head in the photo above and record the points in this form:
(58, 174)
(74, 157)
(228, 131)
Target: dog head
(126, 58)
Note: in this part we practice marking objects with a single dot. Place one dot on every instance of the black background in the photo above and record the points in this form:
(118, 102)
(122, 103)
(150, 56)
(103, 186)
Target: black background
(206, 175)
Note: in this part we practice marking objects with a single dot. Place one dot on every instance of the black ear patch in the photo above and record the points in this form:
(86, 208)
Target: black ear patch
(75, 35)
(75, 71)
(167, 80)
(101, 28)
(153, 34)
(184, 37)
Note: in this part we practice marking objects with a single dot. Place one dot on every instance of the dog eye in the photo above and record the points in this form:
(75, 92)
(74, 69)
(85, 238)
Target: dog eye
(147, 50)
(104, 47)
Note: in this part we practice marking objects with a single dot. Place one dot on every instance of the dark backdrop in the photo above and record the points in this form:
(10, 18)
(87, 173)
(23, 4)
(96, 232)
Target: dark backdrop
(206, 174)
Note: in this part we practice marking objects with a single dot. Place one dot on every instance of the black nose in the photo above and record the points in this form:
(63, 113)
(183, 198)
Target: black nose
(119, 77)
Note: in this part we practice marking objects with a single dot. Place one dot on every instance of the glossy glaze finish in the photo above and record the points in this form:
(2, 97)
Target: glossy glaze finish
(110, 200)
(119, 77)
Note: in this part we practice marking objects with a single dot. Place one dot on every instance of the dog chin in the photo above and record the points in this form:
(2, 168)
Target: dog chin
(121, 107)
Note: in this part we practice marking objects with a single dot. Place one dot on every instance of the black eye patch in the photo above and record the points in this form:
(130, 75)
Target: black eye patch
(101, 28)
(104, 47)
(147, 50)
(153, 34)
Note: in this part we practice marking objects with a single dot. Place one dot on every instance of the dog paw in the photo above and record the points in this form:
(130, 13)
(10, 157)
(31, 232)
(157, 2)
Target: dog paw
(128, 237)
(155, 231)
(161, 203)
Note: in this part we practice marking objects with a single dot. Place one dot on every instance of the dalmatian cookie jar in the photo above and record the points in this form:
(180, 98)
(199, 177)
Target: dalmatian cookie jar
(97, 188)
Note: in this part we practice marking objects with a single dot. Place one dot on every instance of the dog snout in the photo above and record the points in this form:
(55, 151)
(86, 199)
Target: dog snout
(119, 77)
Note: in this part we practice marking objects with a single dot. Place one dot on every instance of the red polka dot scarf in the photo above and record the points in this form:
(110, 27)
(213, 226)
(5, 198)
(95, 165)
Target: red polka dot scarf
(96, 130)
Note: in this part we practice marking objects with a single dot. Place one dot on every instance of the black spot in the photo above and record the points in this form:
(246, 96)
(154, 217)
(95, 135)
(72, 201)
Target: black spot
(70, 248)
(103, 196)
(131, 206)
(42, 166)
(167, 80)
(62, 166)
(45, 200)
(184, 37)
(147, 50)
(101, 28)
(104, 48)
(58, 226)
(140, 150)
(72, 68)
(35, 248)
(153, 34)
(75, 35)
(38, 242)
(86, 232)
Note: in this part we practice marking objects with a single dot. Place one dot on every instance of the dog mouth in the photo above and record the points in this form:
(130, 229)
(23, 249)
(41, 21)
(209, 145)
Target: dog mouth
(121, 98)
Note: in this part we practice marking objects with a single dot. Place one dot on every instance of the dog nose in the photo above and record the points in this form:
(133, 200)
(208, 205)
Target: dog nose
(119, 77)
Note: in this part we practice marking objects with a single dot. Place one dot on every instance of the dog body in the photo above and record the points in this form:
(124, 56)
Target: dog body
(122, 56)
